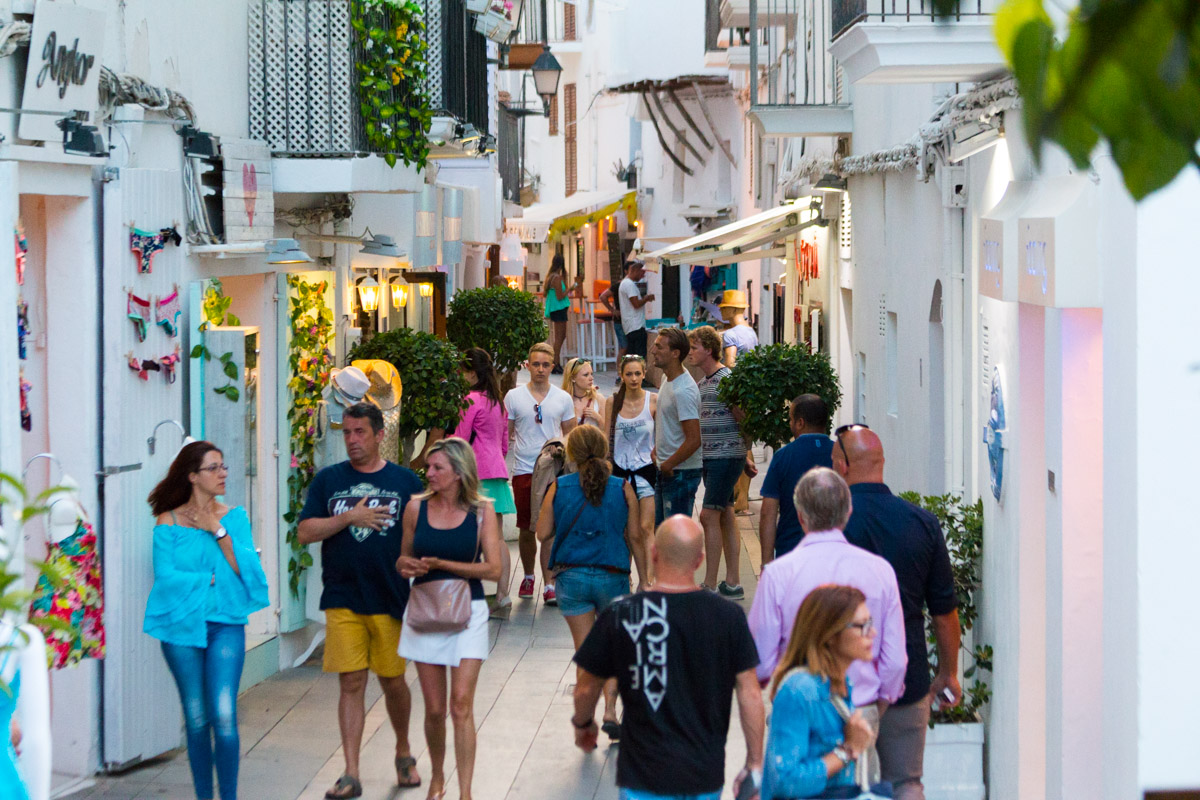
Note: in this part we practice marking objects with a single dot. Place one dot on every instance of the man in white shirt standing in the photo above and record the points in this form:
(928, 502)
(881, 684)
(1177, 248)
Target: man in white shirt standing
(537, 413)
(676, 428)
(633, 309)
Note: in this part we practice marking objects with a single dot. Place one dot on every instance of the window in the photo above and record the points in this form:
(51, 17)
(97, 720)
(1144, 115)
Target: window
(569, 34)
(569, 151)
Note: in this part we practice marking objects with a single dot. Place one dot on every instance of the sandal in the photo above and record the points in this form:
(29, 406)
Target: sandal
(403, 765)
(346, 782)
(613, 729)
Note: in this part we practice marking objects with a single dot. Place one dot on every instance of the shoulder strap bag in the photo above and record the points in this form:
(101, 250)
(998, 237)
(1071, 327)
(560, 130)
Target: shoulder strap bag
(444, 605)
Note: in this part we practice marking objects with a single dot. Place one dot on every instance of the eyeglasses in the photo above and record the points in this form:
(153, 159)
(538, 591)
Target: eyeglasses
(537, 409)
(215, 468)
(865, 628)
(837, 434)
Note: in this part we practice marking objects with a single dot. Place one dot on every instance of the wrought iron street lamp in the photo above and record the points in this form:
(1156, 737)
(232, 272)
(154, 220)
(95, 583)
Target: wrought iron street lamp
(546, 74)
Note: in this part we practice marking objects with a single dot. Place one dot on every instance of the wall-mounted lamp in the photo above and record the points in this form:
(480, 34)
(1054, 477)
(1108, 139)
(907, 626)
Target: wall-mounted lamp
(373, 245)
(198, 144)
(426, 289)
(834, 184)
(467, 133)
(368, 294)
(286, 251)
(399, 295)
(546, 74)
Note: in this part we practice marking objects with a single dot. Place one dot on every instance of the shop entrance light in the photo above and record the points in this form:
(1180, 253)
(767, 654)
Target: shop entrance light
(399, 295)
(426, 289)
(80, 139)
(286, 251)
(834, 184)
(546, 74)
(368, 294)
(378, 245)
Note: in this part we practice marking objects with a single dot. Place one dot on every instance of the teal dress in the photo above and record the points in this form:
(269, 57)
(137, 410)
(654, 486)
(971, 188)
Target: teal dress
(11, 785)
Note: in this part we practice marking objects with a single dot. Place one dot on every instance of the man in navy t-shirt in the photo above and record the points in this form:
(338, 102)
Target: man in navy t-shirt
(779, 528)
(354, 510)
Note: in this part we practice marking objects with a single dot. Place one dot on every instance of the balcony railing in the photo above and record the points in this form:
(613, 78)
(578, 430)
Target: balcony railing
(559, 19)
(303, 86)
(791, 45)
(846, 13)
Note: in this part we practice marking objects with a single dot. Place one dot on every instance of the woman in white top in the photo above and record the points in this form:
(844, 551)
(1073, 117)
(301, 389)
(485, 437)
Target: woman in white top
(630, 414)
(580, 383)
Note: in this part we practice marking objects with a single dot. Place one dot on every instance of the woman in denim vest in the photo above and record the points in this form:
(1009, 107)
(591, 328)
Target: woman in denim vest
(592, 519)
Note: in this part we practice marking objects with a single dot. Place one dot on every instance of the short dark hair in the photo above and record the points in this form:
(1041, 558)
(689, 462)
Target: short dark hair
(677, 340)
(366, 411)
(811, 409)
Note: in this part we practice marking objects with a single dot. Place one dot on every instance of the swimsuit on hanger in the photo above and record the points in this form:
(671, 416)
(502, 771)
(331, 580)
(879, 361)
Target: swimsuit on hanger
(167, 312)
(143, 366)
(22, 250)
(77, 604)
(168, 365)
(139, 311)
(22, 327)
(146, 245)
(26, 417)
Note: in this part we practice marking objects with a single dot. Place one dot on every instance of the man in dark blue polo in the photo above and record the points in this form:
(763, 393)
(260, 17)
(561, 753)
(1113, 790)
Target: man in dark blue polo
(911, 540)
(779, 528)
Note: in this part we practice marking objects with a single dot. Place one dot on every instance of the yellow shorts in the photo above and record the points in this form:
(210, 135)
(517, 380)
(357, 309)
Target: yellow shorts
(362, 641)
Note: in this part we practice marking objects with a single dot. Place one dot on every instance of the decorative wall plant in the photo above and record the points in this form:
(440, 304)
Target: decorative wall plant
(216, 313)
(390, 71)
(309, 362)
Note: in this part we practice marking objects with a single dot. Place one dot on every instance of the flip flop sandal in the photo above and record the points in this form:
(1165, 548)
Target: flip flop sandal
(403, 765)
(613, 729)
(343, 783)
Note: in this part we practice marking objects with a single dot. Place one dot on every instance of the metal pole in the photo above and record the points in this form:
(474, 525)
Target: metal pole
(753, 52)
(546, 27)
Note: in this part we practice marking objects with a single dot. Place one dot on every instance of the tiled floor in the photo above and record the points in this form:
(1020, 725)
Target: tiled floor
(291, 747)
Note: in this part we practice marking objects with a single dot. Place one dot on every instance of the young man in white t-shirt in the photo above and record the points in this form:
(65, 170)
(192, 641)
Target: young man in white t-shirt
(633, 309)
(676, 428)
(537, 413)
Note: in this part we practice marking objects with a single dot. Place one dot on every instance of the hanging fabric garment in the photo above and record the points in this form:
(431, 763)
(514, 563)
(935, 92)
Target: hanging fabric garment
(22, 328)
(26, 416)
(22, 250)
(77, 605)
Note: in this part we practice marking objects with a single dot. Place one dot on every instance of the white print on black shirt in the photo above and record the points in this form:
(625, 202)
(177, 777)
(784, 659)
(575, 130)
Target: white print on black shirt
(649, 635)
(343, 501)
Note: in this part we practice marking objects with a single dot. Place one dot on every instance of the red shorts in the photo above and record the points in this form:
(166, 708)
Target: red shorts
(522, 489)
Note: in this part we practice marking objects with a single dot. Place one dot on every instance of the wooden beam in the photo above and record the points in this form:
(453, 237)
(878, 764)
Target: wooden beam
(708, 119)
(688, 119)
(662, 141)
(678, 133)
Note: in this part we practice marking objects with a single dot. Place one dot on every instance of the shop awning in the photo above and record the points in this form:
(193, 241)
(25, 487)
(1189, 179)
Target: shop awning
(543, 220)
(757, 236)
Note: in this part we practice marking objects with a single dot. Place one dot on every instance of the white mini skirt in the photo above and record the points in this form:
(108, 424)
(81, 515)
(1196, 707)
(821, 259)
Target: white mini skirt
(448, 649)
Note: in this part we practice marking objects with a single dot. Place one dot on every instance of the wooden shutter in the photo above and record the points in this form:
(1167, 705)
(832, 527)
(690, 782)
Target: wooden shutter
(554, 115)
(570, 151)
(568, 22)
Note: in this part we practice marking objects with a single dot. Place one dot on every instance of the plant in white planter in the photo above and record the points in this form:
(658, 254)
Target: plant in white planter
(954, 744)
(477, 6)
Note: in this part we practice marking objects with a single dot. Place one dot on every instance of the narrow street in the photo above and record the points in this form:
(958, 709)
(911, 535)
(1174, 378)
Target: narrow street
(526, 748)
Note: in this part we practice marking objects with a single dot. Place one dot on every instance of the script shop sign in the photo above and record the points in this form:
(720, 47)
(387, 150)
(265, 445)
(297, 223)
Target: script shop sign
(63, 74)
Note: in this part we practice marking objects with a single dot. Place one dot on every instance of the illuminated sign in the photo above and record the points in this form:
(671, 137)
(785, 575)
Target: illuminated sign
(991, 258)
(1035, 268)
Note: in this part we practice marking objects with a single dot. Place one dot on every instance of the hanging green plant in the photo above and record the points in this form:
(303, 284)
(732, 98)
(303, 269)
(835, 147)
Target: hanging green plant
(390, 69)
(215, 307)
(309, 360)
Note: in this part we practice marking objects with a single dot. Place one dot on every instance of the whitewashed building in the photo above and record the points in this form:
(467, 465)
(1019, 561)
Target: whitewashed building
(276, 150)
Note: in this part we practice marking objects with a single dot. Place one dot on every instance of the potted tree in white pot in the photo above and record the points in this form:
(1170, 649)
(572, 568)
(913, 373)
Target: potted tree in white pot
(954, 744)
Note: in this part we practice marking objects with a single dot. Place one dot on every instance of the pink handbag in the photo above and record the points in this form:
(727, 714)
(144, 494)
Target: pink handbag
(442, 606)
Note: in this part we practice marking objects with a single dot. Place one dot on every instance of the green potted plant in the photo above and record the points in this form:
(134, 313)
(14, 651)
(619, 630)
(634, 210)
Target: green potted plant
(472, 322)
(954, 744)
(764, 382)
(434, 390)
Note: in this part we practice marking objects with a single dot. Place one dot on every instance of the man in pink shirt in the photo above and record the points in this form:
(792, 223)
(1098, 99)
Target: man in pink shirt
(823, 557)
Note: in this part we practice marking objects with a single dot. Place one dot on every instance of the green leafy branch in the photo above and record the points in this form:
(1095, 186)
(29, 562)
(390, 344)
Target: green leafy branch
(1126, 71)
(216, 311)
(309, 360)
(391, 70)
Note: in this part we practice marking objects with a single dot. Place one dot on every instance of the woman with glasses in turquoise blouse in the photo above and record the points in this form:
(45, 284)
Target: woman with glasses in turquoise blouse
(207, 581)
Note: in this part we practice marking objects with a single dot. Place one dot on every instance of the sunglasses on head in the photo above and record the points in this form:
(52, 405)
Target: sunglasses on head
(837, 434)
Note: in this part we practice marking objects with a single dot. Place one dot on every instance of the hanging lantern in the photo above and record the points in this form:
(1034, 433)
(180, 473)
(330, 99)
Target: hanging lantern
(368, 294)
(399, 296)
(426, 290)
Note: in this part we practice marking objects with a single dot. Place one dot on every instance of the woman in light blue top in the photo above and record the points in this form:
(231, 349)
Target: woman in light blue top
(207, 581)
(813, 743)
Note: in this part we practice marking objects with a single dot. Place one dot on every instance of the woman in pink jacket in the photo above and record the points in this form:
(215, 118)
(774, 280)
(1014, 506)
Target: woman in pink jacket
(484, 424)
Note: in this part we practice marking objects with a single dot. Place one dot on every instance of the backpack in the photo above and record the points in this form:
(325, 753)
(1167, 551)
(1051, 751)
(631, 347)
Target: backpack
(550, 464)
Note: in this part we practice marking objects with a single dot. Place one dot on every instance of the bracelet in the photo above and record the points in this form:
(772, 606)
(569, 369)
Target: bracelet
(584, 726)
(843, 755)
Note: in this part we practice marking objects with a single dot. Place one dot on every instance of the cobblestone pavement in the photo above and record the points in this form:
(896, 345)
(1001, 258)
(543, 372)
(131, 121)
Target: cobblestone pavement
(291, 748)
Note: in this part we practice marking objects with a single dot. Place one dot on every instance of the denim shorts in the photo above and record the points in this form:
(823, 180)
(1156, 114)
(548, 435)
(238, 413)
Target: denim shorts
(642, 794)
(584, 589)
(720, 478)
(676, 494)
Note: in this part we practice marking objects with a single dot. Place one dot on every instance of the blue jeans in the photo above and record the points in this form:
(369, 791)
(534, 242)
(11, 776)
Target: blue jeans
(642, 794)
(208, 680)
(676, 494)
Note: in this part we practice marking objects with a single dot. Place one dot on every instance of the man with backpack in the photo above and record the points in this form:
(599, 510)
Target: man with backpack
(537, 412)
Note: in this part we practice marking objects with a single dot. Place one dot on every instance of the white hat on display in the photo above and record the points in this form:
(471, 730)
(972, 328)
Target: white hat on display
(347, 386)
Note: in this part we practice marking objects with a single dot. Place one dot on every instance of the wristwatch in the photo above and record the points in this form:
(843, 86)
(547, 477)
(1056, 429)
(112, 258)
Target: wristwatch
(221, 533)
(843, 754)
